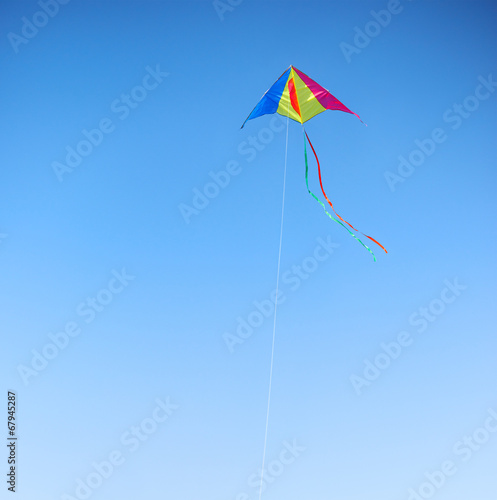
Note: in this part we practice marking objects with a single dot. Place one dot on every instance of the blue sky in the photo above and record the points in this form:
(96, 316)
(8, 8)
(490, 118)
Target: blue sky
(120, 311)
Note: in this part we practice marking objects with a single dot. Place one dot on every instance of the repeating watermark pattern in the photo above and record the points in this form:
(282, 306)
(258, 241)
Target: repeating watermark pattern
(88, 311)
(12, 440)
(249, 149)
(372, 29)
(292, 279)
(31, 27)
(426, 147)
(223, 6)
(121, 107)
(275, 468)
(131, 440)
(463, 451)
(390, 351)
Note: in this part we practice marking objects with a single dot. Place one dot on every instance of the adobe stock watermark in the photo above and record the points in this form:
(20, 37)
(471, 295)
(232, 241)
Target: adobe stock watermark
(291, 279)
(88, 310)
(426, 147)
(248, 149)
(223, 6)
(372, 29)
(31, 27)
(462, 451)
(131, 440)
(275, 468)
(419, 319)
(121, 107)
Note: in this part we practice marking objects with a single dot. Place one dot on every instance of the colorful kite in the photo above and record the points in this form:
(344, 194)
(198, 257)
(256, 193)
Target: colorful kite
(295, 95)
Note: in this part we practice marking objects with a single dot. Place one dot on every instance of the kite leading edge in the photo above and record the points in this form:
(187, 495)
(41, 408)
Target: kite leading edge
(300, 98)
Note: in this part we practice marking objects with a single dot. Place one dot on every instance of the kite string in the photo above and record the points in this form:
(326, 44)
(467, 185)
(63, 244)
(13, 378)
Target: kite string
(275, 310)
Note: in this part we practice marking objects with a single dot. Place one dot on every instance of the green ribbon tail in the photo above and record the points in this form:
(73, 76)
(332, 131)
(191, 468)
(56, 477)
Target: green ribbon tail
(323, 205)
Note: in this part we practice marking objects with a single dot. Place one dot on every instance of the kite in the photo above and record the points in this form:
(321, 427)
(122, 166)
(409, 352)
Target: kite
(298, 97)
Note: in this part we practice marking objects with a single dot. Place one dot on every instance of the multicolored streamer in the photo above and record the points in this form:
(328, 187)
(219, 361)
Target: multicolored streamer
(323, 205)
(327, 199)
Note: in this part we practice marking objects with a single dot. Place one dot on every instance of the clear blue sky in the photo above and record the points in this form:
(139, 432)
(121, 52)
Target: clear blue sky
(98, 256)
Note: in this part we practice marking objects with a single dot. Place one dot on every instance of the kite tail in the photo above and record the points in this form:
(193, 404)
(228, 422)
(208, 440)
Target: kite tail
(323, 205)
(331, 204)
